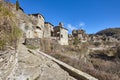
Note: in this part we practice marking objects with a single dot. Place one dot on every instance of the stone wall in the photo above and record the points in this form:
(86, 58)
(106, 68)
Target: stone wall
(48, 28)
(33, 42)
(39, 19)
(38, 33)
(40, 22)
(39, 25)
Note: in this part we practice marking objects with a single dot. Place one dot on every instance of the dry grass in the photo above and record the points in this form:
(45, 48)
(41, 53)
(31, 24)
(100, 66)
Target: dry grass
(99, 64)
(103, 65)
(9, 31)
(101, 69)
(32, 47)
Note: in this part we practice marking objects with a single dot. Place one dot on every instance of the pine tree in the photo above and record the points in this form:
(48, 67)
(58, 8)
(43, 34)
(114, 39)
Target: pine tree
(17, 5)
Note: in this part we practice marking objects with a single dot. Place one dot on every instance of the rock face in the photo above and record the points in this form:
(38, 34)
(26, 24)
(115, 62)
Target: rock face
(8, 64)
(80, 34)
(25, 65)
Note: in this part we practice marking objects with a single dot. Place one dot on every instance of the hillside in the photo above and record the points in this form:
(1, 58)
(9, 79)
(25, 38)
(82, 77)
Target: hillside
(114, 32)
(16, 62)
(9, 30)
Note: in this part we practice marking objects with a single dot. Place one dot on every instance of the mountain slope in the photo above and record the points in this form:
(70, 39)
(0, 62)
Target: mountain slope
(114, 32)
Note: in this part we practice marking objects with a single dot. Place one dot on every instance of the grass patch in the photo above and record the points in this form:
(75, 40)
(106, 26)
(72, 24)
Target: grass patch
(32, 47)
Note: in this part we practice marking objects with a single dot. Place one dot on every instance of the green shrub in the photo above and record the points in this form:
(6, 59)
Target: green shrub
(17, 5)
(4, 11)
(14, 36)
(76, 41)
(11, 38)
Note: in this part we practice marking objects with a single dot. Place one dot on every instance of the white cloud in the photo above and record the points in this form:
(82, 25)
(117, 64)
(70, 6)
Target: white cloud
(71, 27)
(82, 24)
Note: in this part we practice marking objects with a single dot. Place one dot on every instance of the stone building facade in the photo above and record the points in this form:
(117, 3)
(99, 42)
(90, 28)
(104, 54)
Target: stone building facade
(48, 30)
(39, 25)
(38, 28)
(29, 30)
(61, 34)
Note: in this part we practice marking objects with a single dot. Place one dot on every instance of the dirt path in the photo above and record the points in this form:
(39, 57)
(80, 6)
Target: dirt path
(34, 66)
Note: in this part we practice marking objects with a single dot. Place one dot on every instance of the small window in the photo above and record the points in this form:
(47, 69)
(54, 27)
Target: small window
(40, 16)
(38, 27)
(61, 36)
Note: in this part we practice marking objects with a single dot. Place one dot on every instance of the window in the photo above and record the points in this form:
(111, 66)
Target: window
(61, 36)
(38, 27)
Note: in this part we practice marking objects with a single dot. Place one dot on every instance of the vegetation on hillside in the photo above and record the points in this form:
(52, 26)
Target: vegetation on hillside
(114, 32)
(9, 31)
(102, 64)
(76, 41)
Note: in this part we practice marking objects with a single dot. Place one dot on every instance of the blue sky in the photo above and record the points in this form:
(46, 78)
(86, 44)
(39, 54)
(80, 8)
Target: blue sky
(90, 15)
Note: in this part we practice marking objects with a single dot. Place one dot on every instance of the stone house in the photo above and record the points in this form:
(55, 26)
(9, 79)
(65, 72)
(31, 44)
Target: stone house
(48, 30)
(41, 29)
(39, 25)
(61, 34)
